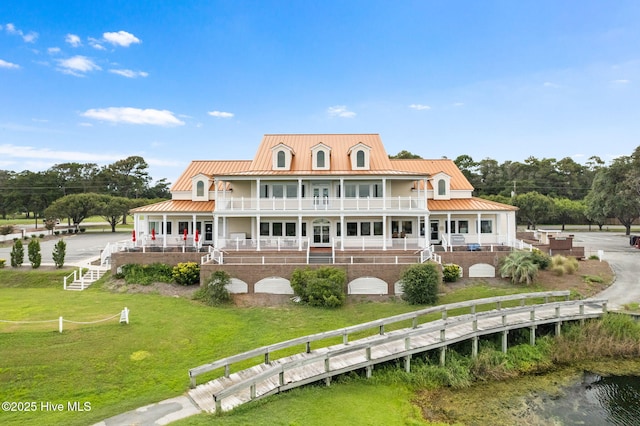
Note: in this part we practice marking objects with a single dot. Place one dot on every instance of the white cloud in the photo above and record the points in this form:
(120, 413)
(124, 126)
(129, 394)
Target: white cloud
(129, 73)
(77, 65)
(29, 37)
(121, 38)
(621, 81)
(458, 104)
(10, 65)
(129, 115)
(340, 111)
(53, 50)
(16, 151)
(96, 44)
(220, 114)
(419, 107)
(550, 84)
(73, 40)
(85, 124)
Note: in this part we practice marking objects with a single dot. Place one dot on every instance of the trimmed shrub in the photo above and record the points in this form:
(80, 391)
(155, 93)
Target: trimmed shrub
(82, 230)
(215, 292)
(186, 273)
(17, 254)
(146, 274)
(451, 272)
(320, 287)
(420, 284)
(540, 258)
(2, 263)
(59, 252)
(35, 257)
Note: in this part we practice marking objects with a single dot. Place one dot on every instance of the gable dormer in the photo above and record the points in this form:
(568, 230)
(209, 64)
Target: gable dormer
(441, 183)
(281, 157)
(320, 157)
(360, 155)
(200, 185)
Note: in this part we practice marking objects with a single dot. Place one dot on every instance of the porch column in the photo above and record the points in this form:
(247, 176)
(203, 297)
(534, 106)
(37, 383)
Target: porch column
(509, 237)
(341, 198)
(300, 197)
(193, 229)
(384, 232)
(164, 230)
(258, 229)
(215, 230)
(299, 232)
(427, 231)
(384, 203)
(135, 228)
(343, 232)
(258, 197)
(425, 180)
(478, 229)
(447, 227)
(215, 189)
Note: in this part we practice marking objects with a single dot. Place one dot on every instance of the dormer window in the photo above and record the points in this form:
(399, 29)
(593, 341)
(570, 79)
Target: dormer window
(360, 155)
(282, 156)
(441, 186)
(320, 157)
(200, 184)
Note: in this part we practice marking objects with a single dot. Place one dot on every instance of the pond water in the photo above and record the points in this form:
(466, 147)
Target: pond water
(594, 400)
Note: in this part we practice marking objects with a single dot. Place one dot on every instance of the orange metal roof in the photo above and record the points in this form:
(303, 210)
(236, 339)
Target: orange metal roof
(432, 167)
(209, 168)
(177, 206)
(467, 204)
(339, 143)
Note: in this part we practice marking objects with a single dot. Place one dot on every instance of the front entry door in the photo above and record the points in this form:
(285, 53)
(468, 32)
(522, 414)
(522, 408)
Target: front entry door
(208, 231)
(321, 232)
(435, 235)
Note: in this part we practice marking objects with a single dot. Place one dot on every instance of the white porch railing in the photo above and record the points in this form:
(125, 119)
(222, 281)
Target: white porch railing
(266, 243)
(214, 254)
(110, 248)
(240, 204)
(430, 254)
(378, 243)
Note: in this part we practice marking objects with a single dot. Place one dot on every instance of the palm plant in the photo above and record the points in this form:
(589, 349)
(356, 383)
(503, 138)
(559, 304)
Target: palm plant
(520, 267)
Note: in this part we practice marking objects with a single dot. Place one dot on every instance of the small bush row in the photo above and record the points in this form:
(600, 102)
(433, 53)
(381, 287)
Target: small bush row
(187, 273)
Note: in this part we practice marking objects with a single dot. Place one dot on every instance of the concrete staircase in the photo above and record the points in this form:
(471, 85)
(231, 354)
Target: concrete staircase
(77, 281)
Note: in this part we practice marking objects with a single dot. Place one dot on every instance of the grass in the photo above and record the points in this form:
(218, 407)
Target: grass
(117, 367)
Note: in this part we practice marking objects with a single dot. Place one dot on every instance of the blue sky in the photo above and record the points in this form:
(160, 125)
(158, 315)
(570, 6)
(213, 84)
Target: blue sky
(90, 81)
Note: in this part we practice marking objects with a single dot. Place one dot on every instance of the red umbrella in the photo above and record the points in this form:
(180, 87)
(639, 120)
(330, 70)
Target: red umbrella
(153, 234)
(185, 234)
(197, 238)
(133, 235)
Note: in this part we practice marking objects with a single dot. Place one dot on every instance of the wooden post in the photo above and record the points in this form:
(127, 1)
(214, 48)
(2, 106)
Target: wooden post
(266, 358)
(227, 370)
(218, 404)
(532, 335)
(558, 326)
(474, 347)
(504, 341)
(443, 351)
(407, 363)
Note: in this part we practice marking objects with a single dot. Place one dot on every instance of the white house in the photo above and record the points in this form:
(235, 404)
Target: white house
(324, 190)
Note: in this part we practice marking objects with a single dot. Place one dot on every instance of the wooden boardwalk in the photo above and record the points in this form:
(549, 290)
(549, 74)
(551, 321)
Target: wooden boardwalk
(301, 365)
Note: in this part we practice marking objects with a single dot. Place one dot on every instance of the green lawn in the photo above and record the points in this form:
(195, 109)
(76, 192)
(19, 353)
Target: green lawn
(117, 367)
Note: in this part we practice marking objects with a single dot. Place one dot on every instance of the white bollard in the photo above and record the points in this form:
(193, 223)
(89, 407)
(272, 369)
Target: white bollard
(60, 324)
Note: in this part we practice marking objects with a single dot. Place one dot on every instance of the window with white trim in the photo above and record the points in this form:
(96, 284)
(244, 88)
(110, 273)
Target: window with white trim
(200, 189)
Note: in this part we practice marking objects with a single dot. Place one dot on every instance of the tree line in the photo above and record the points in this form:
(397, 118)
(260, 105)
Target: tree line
(558, 191)
(121, 185)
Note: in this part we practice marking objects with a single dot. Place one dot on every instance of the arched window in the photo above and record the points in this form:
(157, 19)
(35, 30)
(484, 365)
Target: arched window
(200, 189)
(442, 187)
(320, 159)
(281, 159)
(360, 159)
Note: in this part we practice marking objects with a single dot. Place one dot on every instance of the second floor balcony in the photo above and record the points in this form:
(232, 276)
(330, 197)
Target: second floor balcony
(368, 204)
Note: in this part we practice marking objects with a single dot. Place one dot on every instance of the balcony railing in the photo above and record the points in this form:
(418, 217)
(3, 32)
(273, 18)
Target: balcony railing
(241, 204)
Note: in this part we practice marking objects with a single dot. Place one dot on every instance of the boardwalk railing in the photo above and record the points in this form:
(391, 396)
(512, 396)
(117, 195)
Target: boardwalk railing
(274, 376)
